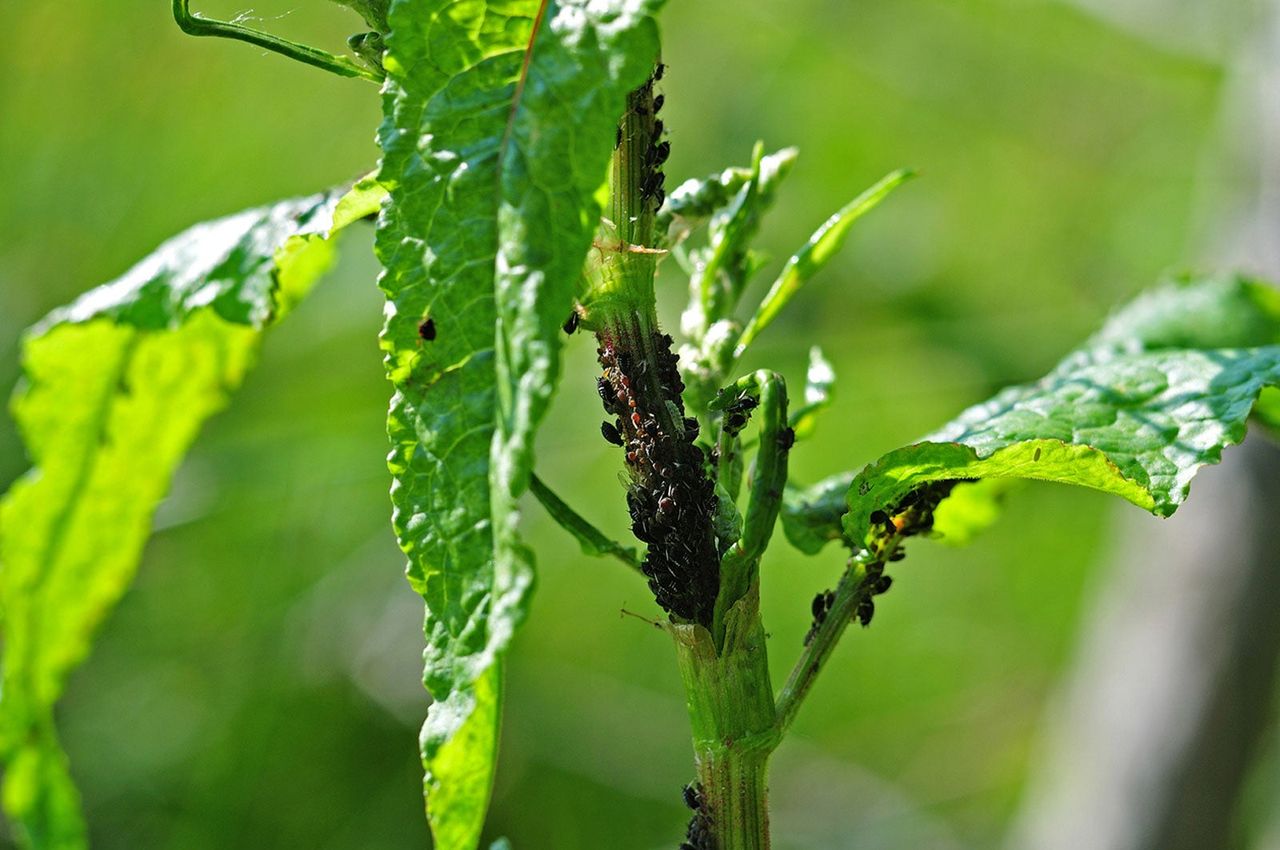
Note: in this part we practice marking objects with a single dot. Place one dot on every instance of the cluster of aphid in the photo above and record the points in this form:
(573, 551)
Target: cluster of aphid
(738, 412)
(912, 515)
(876, 583)
(645, 106)
(821, 606)
(670, 498)
(699, 836)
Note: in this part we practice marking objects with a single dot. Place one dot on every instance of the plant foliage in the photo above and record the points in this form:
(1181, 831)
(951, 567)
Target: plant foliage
(499, 127)
(115, 388)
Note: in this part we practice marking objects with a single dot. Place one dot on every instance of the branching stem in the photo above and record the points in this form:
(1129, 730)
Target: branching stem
(592, 540)
(852, 590)
(197, 25)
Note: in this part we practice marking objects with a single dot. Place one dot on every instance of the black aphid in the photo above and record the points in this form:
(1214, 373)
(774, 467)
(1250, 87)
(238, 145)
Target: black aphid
(878, 518)
(571, 324)
(606, 393)
(427, 330)
(866, 610)
(659, 71)
(610, 433)
(669, 496)
(660, 153)
(820, 607)
(658, 101)
(786, 438)
(692, 798)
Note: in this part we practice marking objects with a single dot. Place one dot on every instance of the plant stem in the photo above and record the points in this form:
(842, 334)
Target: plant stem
(198, 25)
(592, 540)
(852, 590)
(671, 498)
(734, 727)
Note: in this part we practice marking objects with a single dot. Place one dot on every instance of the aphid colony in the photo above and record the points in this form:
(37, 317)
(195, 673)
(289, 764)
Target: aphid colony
(698, 836)
(658, 149)
(738, 412)
(912, 515)
(670, 498)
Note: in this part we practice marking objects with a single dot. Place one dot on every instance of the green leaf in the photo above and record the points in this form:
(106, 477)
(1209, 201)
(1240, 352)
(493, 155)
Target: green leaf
(590, 539)
(722, 268)
(1218, 312)
(1166, 385)
(820, 381)
(696, 200)
(499, 124)
(811, 515)
(825, 242)
(116, 387)
(970, 509)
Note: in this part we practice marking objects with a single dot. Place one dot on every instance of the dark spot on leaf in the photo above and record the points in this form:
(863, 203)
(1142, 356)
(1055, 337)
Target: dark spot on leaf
(427, 330)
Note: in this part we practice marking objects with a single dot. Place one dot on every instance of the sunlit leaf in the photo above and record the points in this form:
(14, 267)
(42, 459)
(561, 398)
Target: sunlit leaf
(1168, 383)
(819, 383)
(825, 242)
(499, 123)
(115, 388)
(1159, 391)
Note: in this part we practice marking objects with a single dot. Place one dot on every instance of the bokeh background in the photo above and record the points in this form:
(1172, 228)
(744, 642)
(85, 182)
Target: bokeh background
(259, 686)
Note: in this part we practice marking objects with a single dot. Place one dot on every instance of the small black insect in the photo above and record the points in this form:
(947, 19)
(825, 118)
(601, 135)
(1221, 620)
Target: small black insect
(658, 197)
(691, 428)
(657, 130)
(878, 518)
(610, 433)
(659, 71)
(692, 798)
(571, 324)
(786, 438)
(660, 153)
(882, 585)
(605, 391)
(697, 834)
(617, 142)
(427, 330)
(866, 610)
(898, 555)
(819, 606)
(652, 184)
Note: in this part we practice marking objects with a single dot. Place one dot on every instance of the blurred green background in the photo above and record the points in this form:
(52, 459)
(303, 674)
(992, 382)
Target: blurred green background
(259, 685)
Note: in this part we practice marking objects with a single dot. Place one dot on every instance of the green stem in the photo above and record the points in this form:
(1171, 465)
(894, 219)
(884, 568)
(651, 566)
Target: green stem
(592, 540)
(740, 565)
(200, 26)
(734, 725)
(853, 589)
(729, 693)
